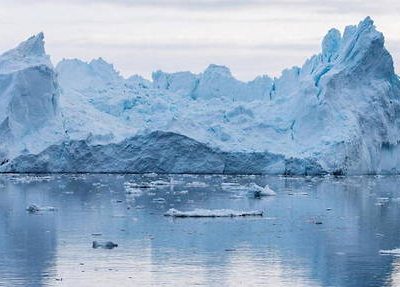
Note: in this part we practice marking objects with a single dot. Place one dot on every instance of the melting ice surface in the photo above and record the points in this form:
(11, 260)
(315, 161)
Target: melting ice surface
(314, 232)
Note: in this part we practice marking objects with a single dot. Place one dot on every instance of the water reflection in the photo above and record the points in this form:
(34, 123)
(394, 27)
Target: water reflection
(285, 248)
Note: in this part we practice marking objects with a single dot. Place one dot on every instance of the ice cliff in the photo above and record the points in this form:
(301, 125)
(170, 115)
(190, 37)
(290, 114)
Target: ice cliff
(29, 96)
(338, 113)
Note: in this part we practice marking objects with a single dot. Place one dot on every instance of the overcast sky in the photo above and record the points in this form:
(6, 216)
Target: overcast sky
(252, 37)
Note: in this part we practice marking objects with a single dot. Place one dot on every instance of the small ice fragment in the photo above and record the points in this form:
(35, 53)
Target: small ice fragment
(229, 184)
(298, 193)
(142, 185)
(138, 185)
(380, 201)
(33, 208)
(160, 199)
(260, 191)
(172, 182)
(133, 191)
(211, 213)
(395, 252)
(105, 245)
(236, 196)
(232, 186)
(160, 182)
(197, 184)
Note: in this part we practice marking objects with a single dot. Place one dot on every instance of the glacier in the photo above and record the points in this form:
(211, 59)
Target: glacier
(337, 114)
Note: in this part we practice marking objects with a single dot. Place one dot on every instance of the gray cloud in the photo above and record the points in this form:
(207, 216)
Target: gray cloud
(254, 36)
(176, 46)
(342, 6)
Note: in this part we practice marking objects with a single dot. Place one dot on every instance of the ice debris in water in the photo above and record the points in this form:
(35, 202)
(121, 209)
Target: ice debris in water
(33, 208)
(232, 186)
(159, 200)
(260, 191)
(160, 182)
(196, 184)
(30, 179)
(212, 213)
(395, 251)
(104, 245)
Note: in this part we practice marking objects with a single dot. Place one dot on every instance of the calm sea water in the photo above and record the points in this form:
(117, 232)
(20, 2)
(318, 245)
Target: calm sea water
(359, 216)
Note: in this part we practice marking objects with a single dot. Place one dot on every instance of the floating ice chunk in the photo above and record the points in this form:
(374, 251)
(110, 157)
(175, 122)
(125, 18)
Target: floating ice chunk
(197, 184)
(175, 182)
(99, 184)
(299, 193)
(105, 245)
(29, 179)
(380, 201)
(183, 192)
(231, 186)
(261, 191)
(133, 191)
(236, 196)
(160, 182)
(159, 200)
(395, 252)
(33, 208)
(138, 185)
(212, 213)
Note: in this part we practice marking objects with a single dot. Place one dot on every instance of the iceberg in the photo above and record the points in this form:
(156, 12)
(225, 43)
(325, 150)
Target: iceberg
(339, 113)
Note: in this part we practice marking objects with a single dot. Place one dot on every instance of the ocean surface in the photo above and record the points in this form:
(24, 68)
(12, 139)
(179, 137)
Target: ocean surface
(317, 231)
